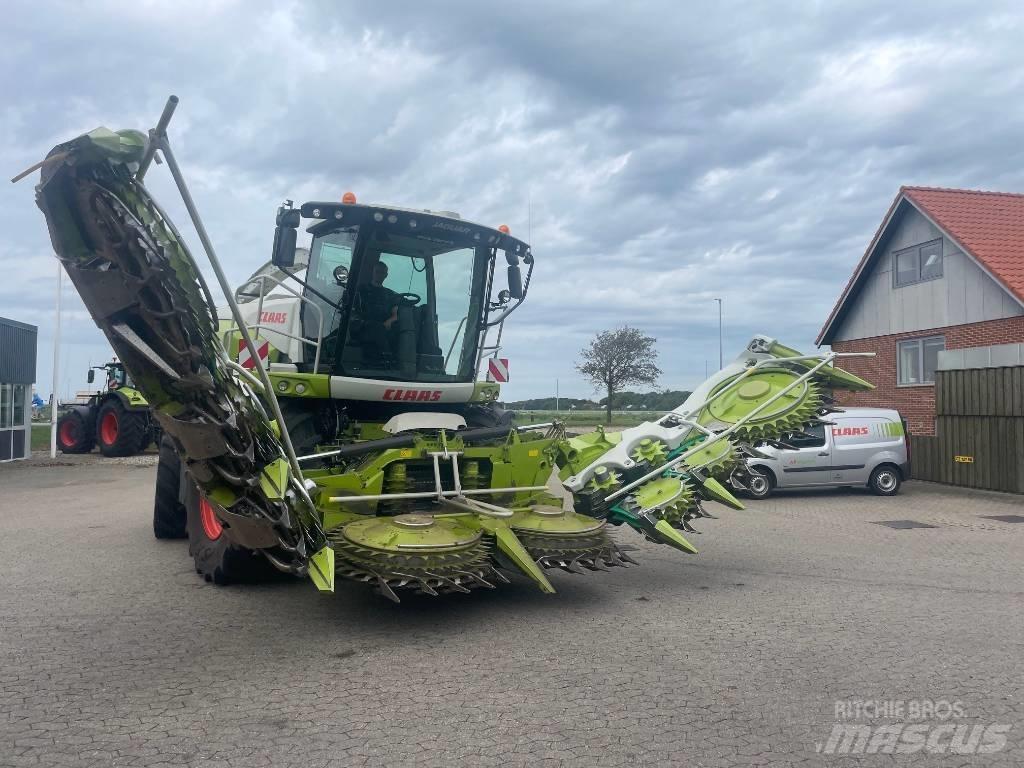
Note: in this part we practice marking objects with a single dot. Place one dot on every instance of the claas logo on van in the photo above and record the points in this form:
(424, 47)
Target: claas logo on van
(849, 431)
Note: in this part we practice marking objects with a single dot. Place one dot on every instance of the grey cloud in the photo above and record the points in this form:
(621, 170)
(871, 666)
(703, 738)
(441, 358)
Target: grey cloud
(672, 152)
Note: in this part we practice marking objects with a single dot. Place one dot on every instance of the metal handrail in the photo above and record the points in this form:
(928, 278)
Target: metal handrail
(317, 345)
(455, 338)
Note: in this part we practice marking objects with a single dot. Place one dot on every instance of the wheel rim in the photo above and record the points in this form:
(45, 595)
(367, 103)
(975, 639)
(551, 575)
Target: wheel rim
(886, 481)
(211, 525)
(68, 433)
(108, 428)
(758, 485)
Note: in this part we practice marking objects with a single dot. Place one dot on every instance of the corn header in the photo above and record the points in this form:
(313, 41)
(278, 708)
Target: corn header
(329, 421)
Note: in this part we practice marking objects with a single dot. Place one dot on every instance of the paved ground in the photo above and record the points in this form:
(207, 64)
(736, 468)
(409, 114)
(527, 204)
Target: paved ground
(113, 652)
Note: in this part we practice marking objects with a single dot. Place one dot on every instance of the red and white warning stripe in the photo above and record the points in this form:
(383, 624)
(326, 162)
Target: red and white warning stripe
(262, 349)
(497, 369)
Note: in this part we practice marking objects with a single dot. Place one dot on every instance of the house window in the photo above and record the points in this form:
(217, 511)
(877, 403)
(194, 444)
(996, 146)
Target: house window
(917, 359)
(917, 264)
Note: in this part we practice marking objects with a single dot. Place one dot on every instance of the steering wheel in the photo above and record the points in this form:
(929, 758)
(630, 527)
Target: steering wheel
(409, 299)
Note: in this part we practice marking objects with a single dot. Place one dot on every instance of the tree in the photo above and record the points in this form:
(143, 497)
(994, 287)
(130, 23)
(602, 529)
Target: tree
(617, 358)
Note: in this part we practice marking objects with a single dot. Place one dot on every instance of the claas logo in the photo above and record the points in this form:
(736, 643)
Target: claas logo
(419, 395)
(276, 318)
(849, 431)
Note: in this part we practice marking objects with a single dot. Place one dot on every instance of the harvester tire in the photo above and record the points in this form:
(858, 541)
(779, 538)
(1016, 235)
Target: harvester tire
(74, 434)
(168, 512)
(119, 432)
(217, 558)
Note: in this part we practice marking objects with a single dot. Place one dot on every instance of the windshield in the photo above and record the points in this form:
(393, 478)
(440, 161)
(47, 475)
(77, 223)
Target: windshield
(412, 305)
(397, 304)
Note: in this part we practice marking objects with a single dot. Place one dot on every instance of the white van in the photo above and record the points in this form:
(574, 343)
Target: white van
(861, 446)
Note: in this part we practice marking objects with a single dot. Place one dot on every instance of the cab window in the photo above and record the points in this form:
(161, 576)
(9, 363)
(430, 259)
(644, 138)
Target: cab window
(330, 261)
(812, 437)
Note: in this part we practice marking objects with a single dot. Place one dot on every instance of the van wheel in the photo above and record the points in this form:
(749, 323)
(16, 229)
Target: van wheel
(885, 481)
(760, 483)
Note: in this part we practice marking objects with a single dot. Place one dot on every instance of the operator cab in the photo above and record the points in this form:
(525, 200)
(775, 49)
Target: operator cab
(398, 294)
(117, 375)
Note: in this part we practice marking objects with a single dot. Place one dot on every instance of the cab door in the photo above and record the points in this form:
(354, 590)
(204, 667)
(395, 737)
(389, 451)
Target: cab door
(811, 462)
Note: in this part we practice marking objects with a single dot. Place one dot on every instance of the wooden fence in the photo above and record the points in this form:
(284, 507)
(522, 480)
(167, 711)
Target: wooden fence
(979, 440)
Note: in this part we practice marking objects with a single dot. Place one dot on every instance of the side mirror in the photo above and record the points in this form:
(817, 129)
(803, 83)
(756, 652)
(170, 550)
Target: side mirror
(285, 237)
(515, 282)
(92, 375)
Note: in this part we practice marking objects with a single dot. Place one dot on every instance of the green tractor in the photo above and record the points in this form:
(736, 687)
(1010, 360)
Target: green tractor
(117, 418)
(331, 424)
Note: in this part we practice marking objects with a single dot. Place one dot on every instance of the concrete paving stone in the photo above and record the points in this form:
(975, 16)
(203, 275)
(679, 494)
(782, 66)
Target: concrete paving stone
(113, 652)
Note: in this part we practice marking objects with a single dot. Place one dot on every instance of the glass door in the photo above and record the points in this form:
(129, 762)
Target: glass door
(6, 422)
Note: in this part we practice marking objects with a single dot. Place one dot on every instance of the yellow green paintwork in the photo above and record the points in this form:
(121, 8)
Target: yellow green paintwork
(321, 569)
(485, 392)
(713, 490)
(302, 385)
(674, 538)
(575, 453)
(274, 479)
(132, 397)
(510, 545)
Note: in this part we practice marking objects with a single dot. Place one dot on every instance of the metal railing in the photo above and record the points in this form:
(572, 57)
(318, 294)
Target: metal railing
(260, 325)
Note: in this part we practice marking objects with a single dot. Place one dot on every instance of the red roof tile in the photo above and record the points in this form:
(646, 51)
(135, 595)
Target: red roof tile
(989, 226)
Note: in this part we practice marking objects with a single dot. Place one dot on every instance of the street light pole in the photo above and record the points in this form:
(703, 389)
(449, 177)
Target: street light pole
(721, 363)
(56, 364)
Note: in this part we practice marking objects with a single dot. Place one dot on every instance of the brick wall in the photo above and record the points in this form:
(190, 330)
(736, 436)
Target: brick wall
(917, 404)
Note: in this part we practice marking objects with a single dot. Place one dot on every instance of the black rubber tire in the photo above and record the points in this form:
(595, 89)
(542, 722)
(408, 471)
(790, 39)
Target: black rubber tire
(131, 429)
(74, 426)
(885, 480)
(219, 560)
(761, 483)
(169, 518)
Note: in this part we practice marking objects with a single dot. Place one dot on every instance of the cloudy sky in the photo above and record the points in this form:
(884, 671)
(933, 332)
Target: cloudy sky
(671, 152)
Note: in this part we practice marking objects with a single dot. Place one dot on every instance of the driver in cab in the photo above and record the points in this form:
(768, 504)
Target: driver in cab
(377, 307)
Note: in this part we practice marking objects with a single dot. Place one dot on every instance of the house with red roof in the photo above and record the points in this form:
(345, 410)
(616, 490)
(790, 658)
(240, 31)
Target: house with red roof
(944, 271)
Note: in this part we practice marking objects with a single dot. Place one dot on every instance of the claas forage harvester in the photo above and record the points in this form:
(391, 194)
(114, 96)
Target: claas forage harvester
(329, 420)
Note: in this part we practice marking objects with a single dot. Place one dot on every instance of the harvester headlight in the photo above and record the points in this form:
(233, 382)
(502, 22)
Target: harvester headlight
(412, 223)
(338, 215)
(392, 219)
(282, 386)
(316, 213)
(378, 216)
(300, 388)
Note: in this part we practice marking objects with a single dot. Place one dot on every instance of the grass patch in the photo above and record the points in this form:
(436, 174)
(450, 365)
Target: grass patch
(587, 418)
(41, 437)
